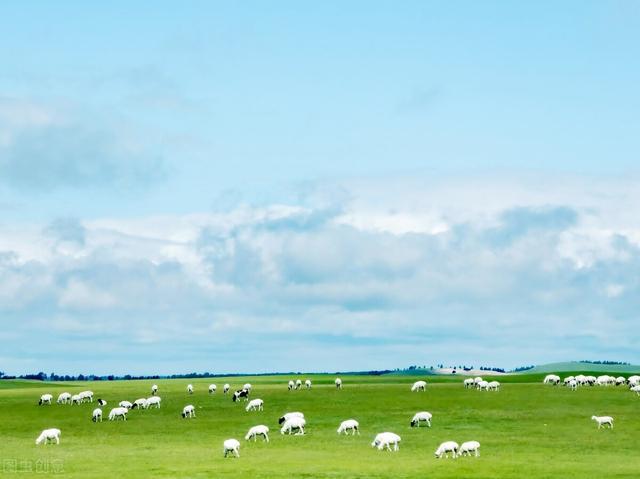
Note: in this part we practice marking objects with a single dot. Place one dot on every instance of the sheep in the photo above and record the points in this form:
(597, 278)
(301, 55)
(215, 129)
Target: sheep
(126, 404)
(634, 380)
(188, 411)
(298, 384)
(620, 380)
(117, 413)
(573, 384)
(295, 422)
(568, 379)
(477, 379)
(247, 386)
(256, 431)
(291, 385)
(190, 388)
(493, 386)
(288, 416)
(482, 385)
(349, 425)
(468, 383)
(419, 386)
(386, 439)
(76, 399)
(88, 395)
(469, 447)
(226, 387)
(102, 402)
(605, 380)
(231, 446)
(603, 421)
(255, 405)
(49, 435)
(140, 404)
(552, 379)
(307, 383)
(45, 399)
(154, 389)
(241, 393)
(153, 401)
(447, 447)
(635, 389)
(421, 416)
(581, 379)
(64, 398)
(338, 383)
(212, 388)
(96, 415)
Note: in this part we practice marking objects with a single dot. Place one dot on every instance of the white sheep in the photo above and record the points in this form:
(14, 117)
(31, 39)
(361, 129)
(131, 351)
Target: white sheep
(188, 411)
(48, 435)
(482, 385)
(295, 422)
(635, 389)
(447, 447)
(64, 398)
(102, 402)
(45, 399)
(603, 421)
(153, 401)
(86, 395)
(256, 431)
(289, 415)
(338, 383)
(386, 439)
(225, 388)
(190, 388)
(552, 379)
(573, 384)
(419, 386)
(247, 386)
(349, 425)
(291, 385)
(154, 389)
(493, 386)
(212, 388)
(76, 399)
(140, 404)
(231, 446)
(620, 381)
(126, 404)
(568, 379)
(421, 416)
(469, 447)
(118, 413)
(477, 379)
(255, 405)
(468, 383)
(307, 383)
(298, 384)
(96, 416)
(634, 380)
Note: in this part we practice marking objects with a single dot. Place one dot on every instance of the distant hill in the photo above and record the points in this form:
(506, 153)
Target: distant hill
(578, 366)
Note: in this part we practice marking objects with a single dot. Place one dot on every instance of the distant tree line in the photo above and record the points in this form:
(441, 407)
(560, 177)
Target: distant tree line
(523, 368)
(605, 362)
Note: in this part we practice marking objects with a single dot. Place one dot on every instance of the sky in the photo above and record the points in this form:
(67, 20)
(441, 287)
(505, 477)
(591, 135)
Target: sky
(317, 186)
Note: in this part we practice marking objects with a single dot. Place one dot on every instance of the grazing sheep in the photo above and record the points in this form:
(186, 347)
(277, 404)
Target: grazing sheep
(291, 385)
(421, 416)
(48, 435)
(603, 421)
(573, 384)
(298, 384)
(247, 386)
(212, 388)
(126, 404)
(288, 416)
(64, 398)
(635, 389)
(349, 425)
(154, 389)
(620, 381)
(88, 395)
(482, 385)
(468, 383)
(231, 446)
(307, 383)
(102, 402)
(188, 411)
(241, 393)
(419, 386)
(76, 399)
(469, 447)
(118, 413)
(226, 387)
(445, 448)
(255, 405)
(140, 404)
(605, 380)
(45, 399)
(256, 431)
(96, 415)
(190, 388)
(477, 379)
(338, 383)
(386, 439)
(153, 401)
(493, 386)
(552, 379)
(295, 422)
(634, 380)
(581, 379)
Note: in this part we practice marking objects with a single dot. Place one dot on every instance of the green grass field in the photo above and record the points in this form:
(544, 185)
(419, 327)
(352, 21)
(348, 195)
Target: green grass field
(526, 430)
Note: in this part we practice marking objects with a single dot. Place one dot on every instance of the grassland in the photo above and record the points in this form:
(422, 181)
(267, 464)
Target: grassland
(526, 430)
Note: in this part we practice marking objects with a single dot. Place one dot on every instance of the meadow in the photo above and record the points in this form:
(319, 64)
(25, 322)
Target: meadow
(526, 429)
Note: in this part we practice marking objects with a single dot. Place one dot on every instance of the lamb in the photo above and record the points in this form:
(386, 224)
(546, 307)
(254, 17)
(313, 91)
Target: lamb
(291, 385)
(468, 383)
(256, 431)
(64, 398)
(295, 422)
(154, 389)
(96, 415)
(469, 447)
(126, 404)
(493, 386)
(49, 435)
(102, 402)
(447, 447)
(386, 439)
(552, 379)
(419, 386)
(307, 383)
(241, 393)
(255, 405)
(298, 384)
(190, 388)
(288, 416)
(212, 388)
(226, 387)
(603, 421)
(349, 425)
(231, 446)
(45, 399)
(153, 401)
(118, 413)
(140, 404)
(338, 383)
(188, 411)
(76, 399)
(421, 416)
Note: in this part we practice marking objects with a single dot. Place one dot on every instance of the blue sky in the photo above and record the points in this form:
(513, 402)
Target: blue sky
(345, 185)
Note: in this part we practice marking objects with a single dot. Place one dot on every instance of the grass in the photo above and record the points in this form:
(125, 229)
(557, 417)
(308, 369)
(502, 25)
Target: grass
(526, 430)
